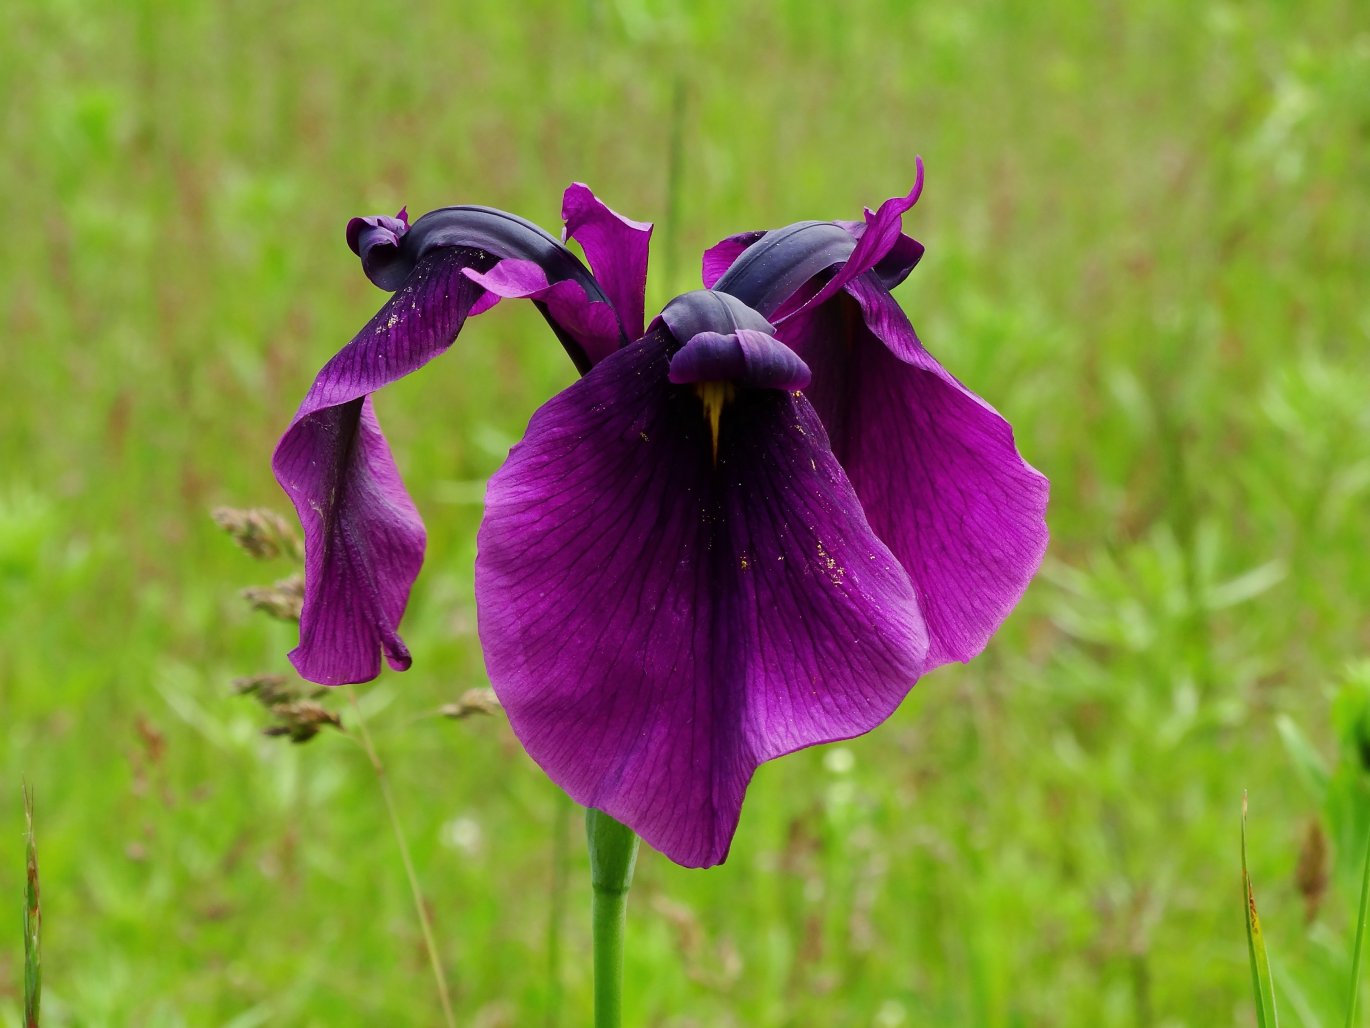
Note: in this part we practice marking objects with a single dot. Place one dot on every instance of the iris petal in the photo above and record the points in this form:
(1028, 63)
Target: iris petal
(364, 541)
(593, 325)
(935, 466)
(658, 622)
(616, 248)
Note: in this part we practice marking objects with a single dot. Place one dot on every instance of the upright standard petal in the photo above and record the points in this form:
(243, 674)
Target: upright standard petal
(616, 248)
(364, 540)
(670, 596)
(936, 466)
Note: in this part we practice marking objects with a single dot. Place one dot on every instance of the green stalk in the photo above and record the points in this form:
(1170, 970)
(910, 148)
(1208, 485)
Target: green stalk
(613, 855)
(1360, 937)
(33, 922)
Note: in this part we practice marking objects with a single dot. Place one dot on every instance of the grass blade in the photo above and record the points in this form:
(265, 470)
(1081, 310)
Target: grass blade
(1261, 982)
(33, 922)
(1360, 937)
(420, 908)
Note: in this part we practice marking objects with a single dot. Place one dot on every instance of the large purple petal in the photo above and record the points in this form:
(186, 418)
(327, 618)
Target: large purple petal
(935, 466)
(364, 541)
(616, 248)
(658, 621)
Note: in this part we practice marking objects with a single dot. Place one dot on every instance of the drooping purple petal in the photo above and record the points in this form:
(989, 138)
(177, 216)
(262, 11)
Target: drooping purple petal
(658, 621)
(616, 248)
(935, 466)
(364, 541)
(590, 323)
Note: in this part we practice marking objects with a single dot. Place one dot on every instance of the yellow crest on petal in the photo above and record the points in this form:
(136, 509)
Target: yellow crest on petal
(714, 395)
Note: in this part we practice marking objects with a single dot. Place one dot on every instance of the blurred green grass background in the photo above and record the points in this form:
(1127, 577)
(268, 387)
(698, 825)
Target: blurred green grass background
(1147, 244)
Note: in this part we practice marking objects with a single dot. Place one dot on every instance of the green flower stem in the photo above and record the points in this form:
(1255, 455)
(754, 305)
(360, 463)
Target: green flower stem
(613, 854)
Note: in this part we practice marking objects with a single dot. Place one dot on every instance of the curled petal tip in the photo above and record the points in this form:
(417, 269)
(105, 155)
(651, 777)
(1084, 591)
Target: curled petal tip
(896, 206)
(579, 201)
(398, 657)
(376, 240)
(376, 230)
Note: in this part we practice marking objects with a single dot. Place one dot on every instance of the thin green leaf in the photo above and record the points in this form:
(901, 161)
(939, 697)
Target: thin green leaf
(1261, 983)
(33, 922)
(1360, 937)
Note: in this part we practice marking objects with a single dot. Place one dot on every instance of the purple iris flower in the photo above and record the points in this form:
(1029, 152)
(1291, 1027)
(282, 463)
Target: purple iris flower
(747, 530)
